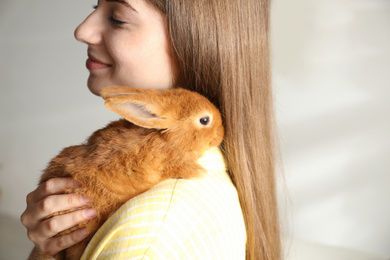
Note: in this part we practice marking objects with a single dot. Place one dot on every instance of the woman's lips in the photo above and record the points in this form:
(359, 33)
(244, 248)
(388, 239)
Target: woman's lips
(94, 64)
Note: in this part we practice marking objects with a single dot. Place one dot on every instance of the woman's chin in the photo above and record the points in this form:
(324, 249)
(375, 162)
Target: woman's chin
(95, 91)
(94, 88)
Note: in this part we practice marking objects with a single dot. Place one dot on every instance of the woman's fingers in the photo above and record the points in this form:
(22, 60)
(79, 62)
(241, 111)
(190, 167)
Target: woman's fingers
(43, 225)
(37, 212)
(54, 245)
(51, 187)
(52, 226)
(43, 235)
(57, 203)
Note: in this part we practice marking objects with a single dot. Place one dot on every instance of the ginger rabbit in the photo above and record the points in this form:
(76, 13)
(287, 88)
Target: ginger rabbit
(163, 135)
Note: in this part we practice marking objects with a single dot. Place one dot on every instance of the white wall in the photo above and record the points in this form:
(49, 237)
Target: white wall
(332, 85)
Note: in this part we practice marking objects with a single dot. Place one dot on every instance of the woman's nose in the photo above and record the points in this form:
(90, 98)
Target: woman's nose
(89, 31)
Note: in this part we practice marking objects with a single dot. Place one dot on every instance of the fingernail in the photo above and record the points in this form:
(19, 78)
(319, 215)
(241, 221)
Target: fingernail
(90, 213)
(78, 184)
(84, 232)
(85, 200)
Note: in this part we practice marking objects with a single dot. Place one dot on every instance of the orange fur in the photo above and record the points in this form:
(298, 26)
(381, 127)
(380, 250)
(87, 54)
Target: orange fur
(161, 139)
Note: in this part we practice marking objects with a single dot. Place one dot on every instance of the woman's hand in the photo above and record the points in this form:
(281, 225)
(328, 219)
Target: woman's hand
(47, 199)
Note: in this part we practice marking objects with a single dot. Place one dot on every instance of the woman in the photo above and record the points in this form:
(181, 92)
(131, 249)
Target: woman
(217, 48)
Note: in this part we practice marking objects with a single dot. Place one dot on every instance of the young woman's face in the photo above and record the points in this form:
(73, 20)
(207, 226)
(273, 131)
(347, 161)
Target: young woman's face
(127, 46)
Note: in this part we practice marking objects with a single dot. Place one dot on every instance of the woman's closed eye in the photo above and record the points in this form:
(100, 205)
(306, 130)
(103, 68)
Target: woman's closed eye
(114, 21)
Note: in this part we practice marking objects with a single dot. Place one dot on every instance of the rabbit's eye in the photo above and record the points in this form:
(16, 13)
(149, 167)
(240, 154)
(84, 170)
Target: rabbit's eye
(204, 120)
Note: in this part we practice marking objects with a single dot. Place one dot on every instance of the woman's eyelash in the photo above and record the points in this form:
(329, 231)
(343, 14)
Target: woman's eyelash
(115, 21)
(95, 7)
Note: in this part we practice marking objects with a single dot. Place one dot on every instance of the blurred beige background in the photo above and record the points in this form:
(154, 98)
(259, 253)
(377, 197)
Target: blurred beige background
(331, 70)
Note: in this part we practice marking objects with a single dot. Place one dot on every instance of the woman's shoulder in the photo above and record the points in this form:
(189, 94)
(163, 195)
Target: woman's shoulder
(201, 214)
(211, 196)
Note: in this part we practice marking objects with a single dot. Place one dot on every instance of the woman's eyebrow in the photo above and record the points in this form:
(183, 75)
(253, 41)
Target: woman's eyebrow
(124, 3)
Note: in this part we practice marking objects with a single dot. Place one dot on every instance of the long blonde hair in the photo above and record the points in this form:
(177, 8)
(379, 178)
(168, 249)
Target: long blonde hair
(222, 51)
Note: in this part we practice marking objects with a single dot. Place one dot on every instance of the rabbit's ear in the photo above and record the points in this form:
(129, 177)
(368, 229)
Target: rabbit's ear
(135, 106)
(136, 112)
(118, 91)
